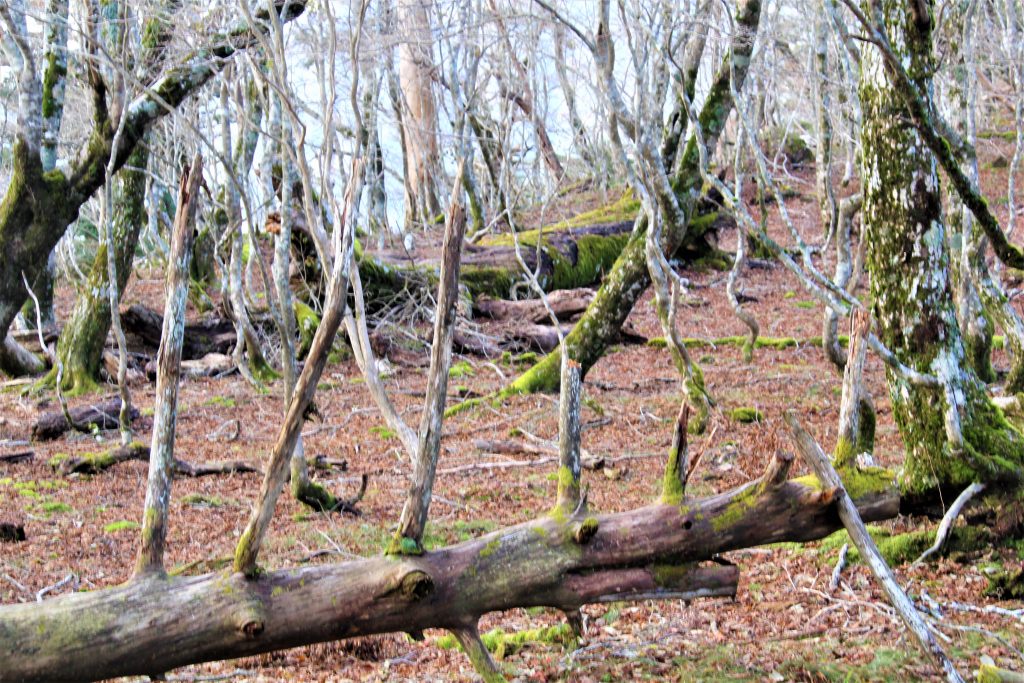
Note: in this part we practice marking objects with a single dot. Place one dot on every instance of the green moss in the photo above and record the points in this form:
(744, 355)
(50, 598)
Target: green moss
(51, 507)
(202, 500)
(737, 508)
(808, 305)
(672, 491)
(460, 370)
(307, 321)
(502, 644)
(220, 401)
(121, 525)
(384, 433)
(670, 575)
(490, 548)
(900, 549)
(403, 545)
(746, 415)
(457, 408)
(57, 460)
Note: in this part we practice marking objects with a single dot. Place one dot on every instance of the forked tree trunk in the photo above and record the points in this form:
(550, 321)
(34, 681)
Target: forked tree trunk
(908, 258)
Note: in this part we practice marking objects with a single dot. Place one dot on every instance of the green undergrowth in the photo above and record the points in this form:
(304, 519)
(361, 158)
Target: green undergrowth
(901, 548)
(121, 525)
(746, 415)
(501, 644)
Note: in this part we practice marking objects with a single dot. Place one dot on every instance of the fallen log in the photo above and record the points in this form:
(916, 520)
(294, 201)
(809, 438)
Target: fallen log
(564, 303)
(211, 336)
(520, 447)
(52, 425)
(22, 456)
(210, 365)
(150, 625)
(543, 338)
(95, 463)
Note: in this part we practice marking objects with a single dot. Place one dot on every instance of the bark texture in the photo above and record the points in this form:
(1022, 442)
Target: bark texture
(908, 257)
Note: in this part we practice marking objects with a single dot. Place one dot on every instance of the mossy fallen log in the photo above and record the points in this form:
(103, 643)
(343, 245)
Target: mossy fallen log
(654, 552)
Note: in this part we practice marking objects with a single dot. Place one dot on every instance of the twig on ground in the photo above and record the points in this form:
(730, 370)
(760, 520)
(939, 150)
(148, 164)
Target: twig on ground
(57, 586)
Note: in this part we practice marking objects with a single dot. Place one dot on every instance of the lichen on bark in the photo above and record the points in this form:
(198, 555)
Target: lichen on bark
(912, 295)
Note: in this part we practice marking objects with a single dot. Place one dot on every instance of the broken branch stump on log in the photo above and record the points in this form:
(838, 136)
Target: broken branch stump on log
(52, 425)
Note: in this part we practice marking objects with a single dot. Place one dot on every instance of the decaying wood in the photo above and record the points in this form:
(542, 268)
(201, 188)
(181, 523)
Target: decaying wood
(213, 336)
(569, 495)
(162, 463)
(640, 554)
(52, 425)
(210, 365)
(542, 338)
(521, 447)
(21, 456)
(565, 303)
(138, 451)
(854, 523)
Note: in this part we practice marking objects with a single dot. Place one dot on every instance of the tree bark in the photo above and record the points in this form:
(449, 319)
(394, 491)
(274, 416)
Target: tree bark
(953, 435)
(80, 347)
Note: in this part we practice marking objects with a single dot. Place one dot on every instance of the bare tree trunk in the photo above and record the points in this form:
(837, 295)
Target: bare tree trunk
(415, 73)
(165, 417)
(411, 526)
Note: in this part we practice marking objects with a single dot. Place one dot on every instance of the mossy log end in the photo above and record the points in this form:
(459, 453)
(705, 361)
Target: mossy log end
(648, 553)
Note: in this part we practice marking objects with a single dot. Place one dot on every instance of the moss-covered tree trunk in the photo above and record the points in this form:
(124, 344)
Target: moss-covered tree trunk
(80, 347)
(629, 277)
(908, 257)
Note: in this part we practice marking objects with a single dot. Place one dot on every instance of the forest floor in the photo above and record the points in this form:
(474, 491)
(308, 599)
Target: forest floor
(784, 624)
